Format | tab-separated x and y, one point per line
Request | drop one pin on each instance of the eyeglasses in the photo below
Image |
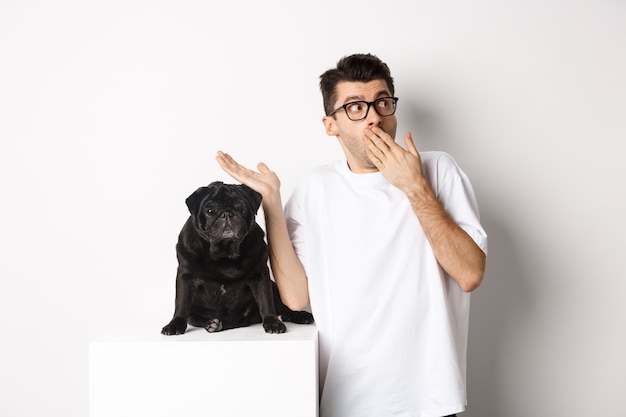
358	110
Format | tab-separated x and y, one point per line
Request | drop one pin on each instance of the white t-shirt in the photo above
392	325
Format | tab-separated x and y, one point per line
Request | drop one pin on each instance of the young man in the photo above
385	246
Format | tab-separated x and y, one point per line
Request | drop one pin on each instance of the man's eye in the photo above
383	104
355	107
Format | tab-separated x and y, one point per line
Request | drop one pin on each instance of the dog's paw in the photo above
272	324
178	325
299	317
214	325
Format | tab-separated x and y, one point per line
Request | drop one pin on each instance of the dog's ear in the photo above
254	198
195	200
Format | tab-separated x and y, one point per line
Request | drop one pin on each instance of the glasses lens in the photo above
385	106
356	110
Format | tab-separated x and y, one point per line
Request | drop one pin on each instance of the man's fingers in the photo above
373	147
410	145
224	160
263	169
232	167
379	137
374	155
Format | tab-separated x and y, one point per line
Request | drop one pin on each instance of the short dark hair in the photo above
354	68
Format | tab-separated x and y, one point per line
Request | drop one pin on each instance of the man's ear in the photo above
330	125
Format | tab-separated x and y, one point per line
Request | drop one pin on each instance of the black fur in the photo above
223	279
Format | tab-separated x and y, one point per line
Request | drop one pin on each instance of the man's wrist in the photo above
272	201
420	192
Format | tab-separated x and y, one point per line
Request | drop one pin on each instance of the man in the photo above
385	246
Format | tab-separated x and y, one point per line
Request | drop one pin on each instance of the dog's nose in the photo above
227	214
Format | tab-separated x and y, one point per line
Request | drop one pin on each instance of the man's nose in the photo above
373	118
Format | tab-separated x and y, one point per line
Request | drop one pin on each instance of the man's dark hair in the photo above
353	68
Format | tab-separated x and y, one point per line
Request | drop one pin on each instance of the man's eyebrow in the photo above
352	98
383	93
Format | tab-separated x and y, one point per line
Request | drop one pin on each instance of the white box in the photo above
237	372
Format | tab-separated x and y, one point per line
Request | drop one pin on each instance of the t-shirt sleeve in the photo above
293	216
455	192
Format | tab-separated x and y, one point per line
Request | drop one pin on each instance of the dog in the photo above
223	279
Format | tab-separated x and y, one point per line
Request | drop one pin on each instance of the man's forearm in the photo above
455	250
286	267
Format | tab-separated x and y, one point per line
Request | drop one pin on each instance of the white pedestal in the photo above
238	372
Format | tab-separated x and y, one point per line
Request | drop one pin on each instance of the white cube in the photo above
237	372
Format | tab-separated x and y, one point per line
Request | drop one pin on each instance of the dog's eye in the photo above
209	211
241	208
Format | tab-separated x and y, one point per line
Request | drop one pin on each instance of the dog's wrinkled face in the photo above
222	214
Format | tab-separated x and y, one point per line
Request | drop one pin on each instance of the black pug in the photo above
223	279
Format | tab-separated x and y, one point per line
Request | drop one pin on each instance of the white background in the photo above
111	114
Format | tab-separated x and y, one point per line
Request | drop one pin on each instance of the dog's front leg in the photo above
184	293
264	297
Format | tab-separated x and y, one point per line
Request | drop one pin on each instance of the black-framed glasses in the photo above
358	110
